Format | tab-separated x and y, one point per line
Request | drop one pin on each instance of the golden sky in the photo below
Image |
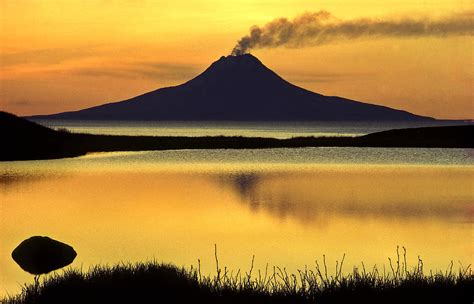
67	55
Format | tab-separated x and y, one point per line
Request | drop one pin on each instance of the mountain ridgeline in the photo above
238	88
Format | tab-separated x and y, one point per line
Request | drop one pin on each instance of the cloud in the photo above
313	29
93	61
151	70
44	56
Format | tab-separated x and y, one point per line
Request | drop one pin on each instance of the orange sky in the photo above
66	55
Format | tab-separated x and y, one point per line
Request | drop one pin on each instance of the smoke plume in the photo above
312	29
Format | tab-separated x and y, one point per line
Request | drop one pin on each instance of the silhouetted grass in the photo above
153	282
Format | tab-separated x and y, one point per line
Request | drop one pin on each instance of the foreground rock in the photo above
41	254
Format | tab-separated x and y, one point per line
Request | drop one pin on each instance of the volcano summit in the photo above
238	88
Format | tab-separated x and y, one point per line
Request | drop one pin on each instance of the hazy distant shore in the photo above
26	140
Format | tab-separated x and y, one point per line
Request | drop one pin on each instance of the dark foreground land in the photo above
25	140
161	283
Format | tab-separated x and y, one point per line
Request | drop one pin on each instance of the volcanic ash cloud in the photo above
313	29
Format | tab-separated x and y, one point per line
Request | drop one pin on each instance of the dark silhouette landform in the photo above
237	88
151	282
26	140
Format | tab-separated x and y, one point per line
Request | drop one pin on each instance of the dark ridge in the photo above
237	88
24	140
448	136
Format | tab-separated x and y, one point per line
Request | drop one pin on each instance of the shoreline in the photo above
26	140
162	282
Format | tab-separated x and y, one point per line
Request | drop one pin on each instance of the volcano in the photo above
238	88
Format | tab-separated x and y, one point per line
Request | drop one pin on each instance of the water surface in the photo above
287	207
250	129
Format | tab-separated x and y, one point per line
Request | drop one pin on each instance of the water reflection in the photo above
403	193
134	207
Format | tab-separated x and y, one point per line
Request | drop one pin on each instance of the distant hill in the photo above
21	139
238	88
25	140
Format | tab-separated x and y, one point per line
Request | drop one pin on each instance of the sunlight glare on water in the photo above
249	129
287	207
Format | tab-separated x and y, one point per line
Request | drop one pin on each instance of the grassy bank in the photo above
162	283
26	140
